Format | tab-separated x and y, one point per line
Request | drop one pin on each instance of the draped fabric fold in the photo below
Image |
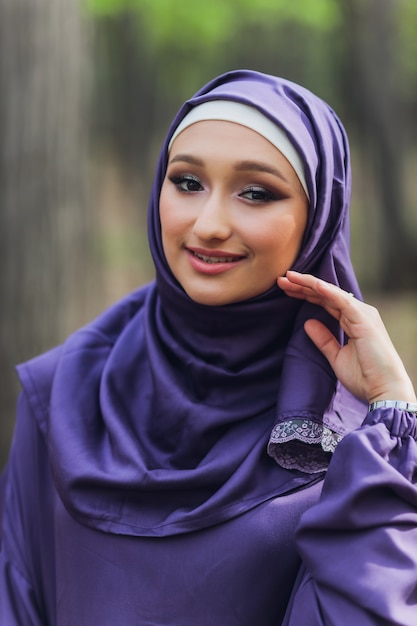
160	411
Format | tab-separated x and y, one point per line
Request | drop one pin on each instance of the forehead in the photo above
223	137
228	144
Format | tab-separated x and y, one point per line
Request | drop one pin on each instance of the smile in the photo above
212	262
217	259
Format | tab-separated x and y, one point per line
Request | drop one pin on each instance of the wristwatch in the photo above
411	407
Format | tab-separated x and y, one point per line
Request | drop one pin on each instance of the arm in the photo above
26	534
359	543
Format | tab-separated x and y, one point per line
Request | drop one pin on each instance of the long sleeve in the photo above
26	535
359	543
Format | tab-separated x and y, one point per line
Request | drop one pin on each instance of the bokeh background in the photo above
87	91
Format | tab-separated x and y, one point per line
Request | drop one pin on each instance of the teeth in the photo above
216	259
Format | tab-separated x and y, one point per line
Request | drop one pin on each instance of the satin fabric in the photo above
158	414
358	543
55	571
139	489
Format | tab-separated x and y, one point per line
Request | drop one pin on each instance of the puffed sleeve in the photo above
359	543
26	548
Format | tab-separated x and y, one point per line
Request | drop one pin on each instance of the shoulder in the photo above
36	377
91	343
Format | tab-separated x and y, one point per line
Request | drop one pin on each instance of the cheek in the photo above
168	216
165	217
164	208
279	242
278	234
176	222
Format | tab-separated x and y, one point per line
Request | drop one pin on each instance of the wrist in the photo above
399	391
401	405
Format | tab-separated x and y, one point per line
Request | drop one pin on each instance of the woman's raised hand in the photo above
368	365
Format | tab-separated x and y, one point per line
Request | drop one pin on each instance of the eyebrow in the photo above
257	166
187	158
241	166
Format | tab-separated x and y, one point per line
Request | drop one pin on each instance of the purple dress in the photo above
180	464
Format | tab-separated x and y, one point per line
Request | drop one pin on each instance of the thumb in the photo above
323	339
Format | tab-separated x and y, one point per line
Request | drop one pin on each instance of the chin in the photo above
219	299
206	298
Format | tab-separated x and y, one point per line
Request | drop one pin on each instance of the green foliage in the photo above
187	23
101	8
406	22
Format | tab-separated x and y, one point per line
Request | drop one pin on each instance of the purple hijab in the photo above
159	413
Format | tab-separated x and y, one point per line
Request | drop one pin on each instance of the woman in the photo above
169	458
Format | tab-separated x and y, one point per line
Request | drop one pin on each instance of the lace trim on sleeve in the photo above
303	444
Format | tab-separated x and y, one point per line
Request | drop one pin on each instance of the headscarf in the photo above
312	408
162	409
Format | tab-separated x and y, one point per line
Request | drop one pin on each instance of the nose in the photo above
213	220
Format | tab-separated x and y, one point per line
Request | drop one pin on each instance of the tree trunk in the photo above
45	227
372	86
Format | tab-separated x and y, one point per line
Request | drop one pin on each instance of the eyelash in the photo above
182	182
266	195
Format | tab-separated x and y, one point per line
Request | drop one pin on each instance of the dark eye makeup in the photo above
186	183
256	193
189	183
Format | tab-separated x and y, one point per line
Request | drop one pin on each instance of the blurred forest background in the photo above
87	91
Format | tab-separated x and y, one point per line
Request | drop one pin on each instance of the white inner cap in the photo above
230	111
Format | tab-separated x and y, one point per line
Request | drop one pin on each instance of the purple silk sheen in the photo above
133	454
321	141
158	413
56	571
367	516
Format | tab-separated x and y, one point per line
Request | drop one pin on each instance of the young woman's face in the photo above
233	212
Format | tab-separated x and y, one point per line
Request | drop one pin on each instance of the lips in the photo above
215	256
218	259
212	262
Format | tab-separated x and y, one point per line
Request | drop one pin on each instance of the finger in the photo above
312	285
298	286
333	299
335	296
298	280
323	339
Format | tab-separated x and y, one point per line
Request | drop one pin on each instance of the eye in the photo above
258	194
186	183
